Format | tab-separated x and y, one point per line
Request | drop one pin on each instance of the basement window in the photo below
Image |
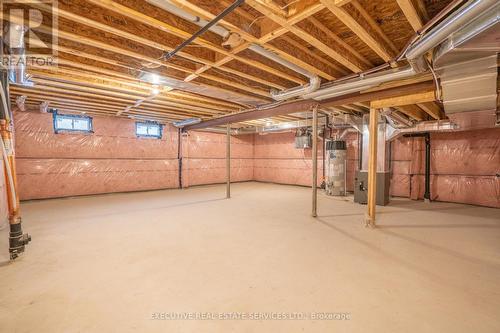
148	130
72	123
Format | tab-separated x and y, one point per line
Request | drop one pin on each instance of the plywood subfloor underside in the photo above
107	263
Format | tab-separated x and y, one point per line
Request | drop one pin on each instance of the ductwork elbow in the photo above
415	54
314	84
14	38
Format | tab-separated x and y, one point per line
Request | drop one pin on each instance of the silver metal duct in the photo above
20	102
415	53
461	17
281	127
396	119
361	83
14	38
314	80
186	122
423	127
467	65
314	84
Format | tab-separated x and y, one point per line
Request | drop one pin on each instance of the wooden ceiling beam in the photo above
357	28
341	2
166	98
374	25
306	37
421	97
412	111
316	57
309	11
112	109
138	16
138	39
411	14
340	41
432	109
98	44
379	94
121	103
284	109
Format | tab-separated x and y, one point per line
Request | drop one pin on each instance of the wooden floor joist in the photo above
105	46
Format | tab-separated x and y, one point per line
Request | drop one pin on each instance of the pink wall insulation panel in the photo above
52	178
204	158
474	190
213	145
278	161
286	171
352	142
112	138
112	159
464	167
213	171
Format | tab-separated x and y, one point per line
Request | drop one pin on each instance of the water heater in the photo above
335	171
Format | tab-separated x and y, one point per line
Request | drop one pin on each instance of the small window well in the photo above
148	130
72	123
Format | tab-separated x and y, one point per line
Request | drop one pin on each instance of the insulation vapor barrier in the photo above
204	158
465	167
278	161
112	159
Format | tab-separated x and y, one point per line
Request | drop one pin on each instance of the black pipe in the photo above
427	194
204	29
427	136
360	151
179	155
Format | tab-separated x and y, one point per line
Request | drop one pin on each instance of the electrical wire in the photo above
438	89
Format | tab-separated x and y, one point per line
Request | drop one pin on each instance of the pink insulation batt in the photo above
464	165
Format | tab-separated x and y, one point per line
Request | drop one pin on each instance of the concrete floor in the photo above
110	263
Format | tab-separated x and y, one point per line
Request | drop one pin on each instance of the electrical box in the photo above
303	140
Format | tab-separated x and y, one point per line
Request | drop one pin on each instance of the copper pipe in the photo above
12	198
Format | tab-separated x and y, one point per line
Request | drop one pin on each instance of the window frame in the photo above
149	123
57	130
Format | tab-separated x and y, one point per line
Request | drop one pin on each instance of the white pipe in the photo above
361	83
171	8
314	84
276	58
314	80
